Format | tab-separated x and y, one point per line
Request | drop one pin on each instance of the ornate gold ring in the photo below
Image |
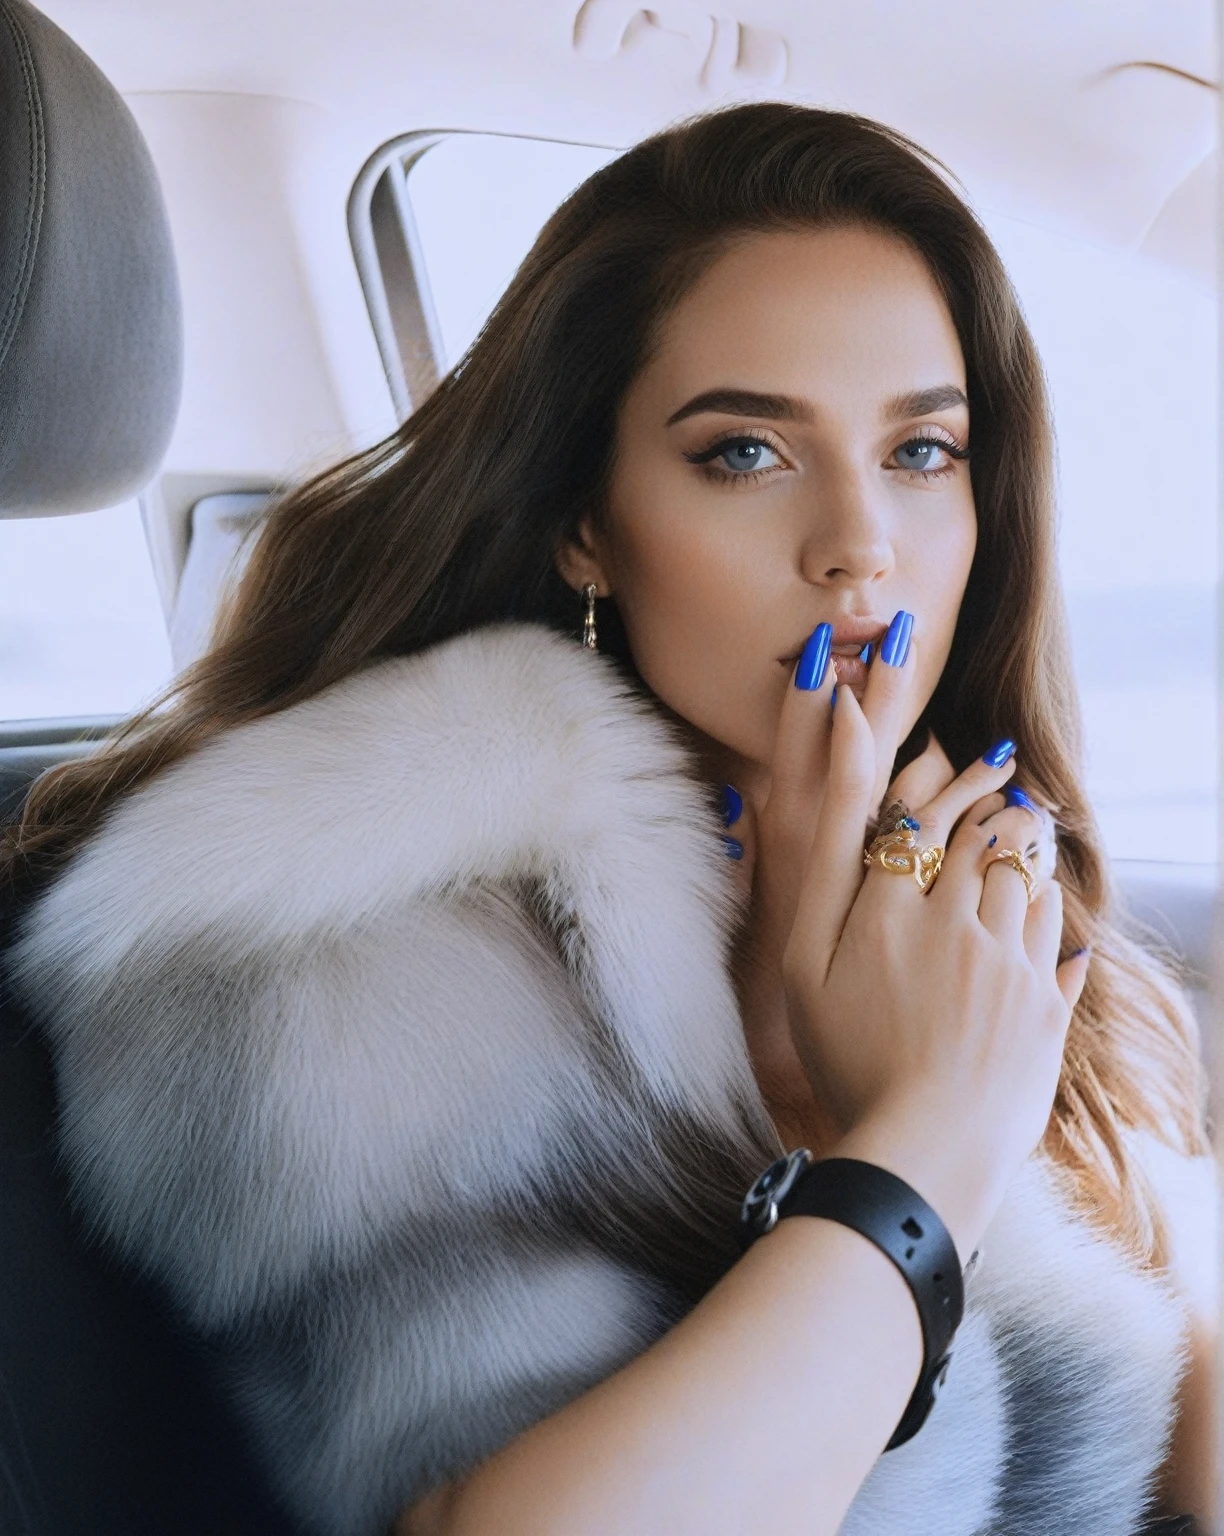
897	853
1014	859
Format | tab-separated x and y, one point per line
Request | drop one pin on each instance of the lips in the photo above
850	635
851	671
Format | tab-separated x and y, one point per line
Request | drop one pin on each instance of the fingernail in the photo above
999	753
810	672
1014	795
865	654
733	804
993	840
833	697
894	647
733	848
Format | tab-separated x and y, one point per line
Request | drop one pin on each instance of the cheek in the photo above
939	566
697	592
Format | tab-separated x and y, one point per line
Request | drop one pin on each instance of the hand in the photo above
930	1027
776	844
777	840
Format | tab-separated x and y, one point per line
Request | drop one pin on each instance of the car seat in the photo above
109	1424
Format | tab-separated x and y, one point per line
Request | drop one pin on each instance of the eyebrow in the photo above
742	402
749	402
925	402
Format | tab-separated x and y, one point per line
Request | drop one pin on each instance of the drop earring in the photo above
588	620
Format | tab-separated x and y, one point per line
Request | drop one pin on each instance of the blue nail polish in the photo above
999	753
1014	795
993	840
733	848
732	804
833	697
865	655
810	672
894	647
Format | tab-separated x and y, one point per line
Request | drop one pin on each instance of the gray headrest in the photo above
90	327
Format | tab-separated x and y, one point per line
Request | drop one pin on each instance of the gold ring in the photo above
1014	859
898	853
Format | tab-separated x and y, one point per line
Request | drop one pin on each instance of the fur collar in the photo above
394	1036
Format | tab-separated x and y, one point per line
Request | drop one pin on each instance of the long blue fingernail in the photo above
894	647
833	697
810	672
994	838
1014	795
733	848
865	655
999	753
733	804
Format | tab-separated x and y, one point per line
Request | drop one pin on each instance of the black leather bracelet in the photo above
886	1211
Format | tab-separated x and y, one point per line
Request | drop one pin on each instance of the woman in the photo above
388	967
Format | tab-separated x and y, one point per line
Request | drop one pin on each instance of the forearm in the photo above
763	1411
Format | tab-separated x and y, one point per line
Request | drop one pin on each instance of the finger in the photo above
988	824
799	765
940	815
1017	827
834	872
1071	976
920	781
1043	928
1005	898
739	838
1042	848
887	697
963	873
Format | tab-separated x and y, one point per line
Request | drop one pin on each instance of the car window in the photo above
82	629
1129	349
1128	346
479	201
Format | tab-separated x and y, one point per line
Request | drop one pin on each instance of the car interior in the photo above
240	241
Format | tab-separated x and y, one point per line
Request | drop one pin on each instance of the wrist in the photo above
963	1195
891	1214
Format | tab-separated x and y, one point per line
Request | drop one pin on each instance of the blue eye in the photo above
921	454
744	454
927	455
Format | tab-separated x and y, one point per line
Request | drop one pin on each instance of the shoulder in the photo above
492	755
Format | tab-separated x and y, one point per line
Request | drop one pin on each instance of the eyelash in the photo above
705	459
949	445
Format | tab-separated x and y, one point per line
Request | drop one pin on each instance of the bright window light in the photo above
1130	353
82	631
480	201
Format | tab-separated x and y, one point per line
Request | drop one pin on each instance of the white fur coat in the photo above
394	1037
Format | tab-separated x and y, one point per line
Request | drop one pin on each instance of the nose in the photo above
846	539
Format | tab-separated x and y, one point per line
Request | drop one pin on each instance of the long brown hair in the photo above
453	522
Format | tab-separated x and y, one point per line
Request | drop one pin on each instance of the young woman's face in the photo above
793	453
